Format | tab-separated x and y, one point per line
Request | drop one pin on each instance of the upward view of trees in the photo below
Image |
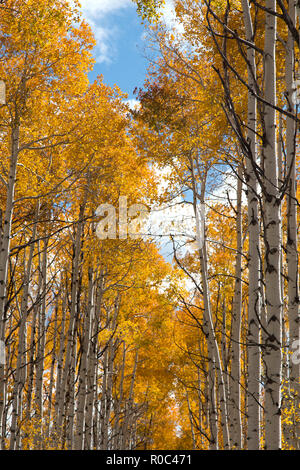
110	344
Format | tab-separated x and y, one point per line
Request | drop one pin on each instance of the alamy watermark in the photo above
178	221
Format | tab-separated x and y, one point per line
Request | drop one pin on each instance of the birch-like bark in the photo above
92	372
235	374
65	399
31	363
59	368
82	385
254	302
20	367
5	248
200	408
272	239
96	414
292	244
41	334
211	377
191	418
52	368
129	406
213	348
117	432
111	350
103	405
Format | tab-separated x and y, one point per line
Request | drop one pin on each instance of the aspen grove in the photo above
109	343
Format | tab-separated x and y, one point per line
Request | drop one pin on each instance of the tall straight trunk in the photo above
212	410
254	302
92	371
244	374
292	245
73	376
59	369
82	385
41	334
6	409
212	398
191	418
109	372
20	367
96	415
53	360
209	405
224	349
68	378
31	363
272	239
234	382
285	346
5	248
213	347
108	394
200	408
103	406
117	432
70	401
126	434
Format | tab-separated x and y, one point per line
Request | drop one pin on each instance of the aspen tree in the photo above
234	403
254	303
272	241
292	245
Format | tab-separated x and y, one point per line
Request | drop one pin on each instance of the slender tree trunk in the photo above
118	404
191	418
254	303
235	398
31	363
5	248
92	372
212	340
59	369
41	335
129	407
21	359
53	360
272	238
82	386
68	379
292	245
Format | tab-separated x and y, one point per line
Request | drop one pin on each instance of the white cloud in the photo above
172	223
169	16
168	19
105	48
226	190
102	7
133	104
96	14
168	12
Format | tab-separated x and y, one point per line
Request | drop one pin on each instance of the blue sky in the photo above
120	52
120	46
120	56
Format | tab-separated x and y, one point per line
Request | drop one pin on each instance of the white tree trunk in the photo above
292	245
234	382
254	302
272	239
5	248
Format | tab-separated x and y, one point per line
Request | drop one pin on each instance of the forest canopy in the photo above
176	331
